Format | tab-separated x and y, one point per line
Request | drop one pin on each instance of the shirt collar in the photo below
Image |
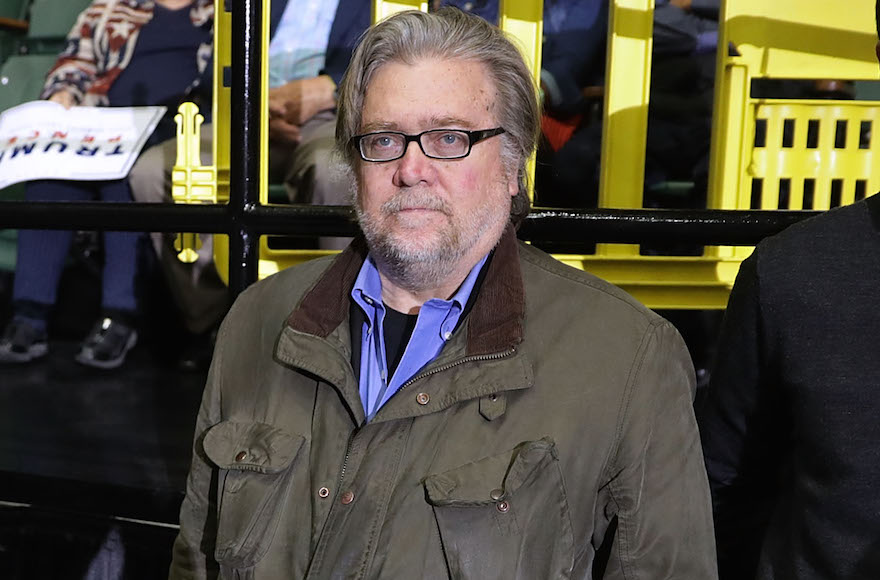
367	290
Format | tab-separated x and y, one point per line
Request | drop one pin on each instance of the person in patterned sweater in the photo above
118	53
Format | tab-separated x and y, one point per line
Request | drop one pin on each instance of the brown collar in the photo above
494	323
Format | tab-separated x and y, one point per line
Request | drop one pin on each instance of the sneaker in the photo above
22	342
107	344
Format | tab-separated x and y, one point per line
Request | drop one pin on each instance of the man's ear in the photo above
513	186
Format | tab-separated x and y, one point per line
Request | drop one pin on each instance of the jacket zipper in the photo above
461	361
447	366
345	461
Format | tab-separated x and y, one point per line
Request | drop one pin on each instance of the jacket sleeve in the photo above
677	31
193	552
658	484
742	421
75	69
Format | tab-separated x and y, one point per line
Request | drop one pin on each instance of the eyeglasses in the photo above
436	143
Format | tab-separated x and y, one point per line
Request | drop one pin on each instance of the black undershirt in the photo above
397	328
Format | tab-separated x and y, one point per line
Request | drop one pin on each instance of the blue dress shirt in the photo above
299	45
435	324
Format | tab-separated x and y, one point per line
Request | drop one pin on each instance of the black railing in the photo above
244	220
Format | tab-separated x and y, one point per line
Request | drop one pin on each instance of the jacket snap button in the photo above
323	492
241	456
423	398
496	494
503	507
347	497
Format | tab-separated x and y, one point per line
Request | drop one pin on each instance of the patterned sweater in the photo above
101	43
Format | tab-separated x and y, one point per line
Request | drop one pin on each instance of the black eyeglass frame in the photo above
474	137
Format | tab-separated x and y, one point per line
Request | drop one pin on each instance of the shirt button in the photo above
423	398
241	456
496	494
468	6
447	335
368	300
503	507
323	493
347	497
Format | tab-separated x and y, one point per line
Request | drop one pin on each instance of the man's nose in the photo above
414	167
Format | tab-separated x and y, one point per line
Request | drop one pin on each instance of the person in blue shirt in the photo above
310	45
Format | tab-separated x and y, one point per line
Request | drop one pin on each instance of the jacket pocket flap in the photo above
491	479
251	447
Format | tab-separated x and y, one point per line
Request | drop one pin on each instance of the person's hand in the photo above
63	98
683	4
281	131
300	100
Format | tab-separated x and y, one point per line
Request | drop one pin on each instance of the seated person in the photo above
680	112
152	53
310	46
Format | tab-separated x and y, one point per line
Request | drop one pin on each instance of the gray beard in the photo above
413	269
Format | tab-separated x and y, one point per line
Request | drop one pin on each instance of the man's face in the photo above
427	218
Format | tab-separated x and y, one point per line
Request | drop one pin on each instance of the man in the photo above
310	46
790	422
440	400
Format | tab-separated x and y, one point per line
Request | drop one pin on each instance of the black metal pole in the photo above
244	158
626	226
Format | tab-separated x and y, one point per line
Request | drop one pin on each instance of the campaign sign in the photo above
43	140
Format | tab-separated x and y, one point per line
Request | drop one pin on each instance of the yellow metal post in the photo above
523	21
625	122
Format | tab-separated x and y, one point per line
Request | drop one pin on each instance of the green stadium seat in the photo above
54	18
8	237
13	25
21	79
14	9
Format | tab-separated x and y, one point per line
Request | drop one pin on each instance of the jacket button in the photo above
496	494
503	507
241	456
323	492
347	497
423	398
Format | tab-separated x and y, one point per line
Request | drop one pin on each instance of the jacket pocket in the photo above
505	516
256	464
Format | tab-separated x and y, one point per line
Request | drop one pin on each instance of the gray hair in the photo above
410	36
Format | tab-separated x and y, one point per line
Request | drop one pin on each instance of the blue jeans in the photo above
42	253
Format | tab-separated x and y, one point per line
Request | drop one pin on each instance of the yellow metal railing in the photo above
778	39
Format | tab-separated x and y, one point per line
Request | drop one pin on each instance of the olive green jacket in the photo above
559	405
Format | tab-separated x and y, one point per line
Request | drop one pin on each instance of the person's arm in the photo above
300	100
706	8
572	51
679	29
658	482
742	424
74	71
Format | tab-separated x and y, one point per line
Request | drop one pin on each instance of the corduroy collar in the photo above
495	323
